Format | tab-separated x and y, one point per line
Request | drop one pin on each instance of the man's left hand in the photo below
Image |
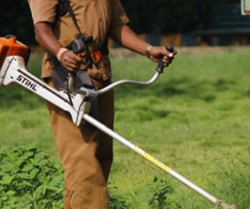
156	54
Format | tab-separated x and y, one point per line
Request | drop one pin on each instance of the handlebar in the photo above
160	66
93	93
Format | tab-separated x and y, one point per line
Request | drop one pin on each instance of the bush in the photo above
29	179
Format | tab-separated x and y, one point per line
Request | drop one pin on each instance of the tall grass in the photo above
234	181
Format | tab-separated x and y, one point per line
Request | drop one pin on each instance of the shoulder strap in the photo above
63	8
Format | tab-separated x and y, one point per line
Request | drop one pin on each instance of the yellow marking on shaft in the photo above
152	159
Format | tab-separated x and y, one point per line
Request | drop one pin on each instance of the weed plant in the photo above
29	180
234	181
232	184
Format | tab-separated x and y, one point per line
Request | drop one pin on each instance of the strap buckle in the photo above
96	56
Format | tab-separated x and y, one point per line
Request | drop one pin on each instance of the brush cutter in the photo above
13	59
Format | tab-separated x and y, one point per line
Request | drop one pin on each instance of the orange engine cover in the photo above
12	47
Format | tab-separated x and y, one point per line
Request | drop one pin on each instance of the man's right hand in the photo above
70	61
47	40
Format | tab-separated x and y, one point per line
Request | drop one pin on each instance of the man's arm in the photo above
128	39
48	41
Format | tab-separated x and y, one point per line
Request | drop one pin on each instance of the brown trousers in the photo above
86	154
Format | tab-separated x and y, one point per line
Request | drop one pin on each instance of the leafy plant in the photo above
160	194
32	180
116	200
29	179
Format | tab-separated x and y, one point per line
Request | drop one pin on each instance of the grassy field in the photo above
195	119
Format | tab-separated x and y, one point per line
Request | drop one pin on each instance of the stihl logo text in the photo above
27	82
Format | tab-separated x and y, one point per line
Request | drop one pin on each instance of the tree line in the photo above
158	16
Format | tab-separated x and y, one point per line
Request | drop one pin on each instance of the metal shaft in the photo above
148	157
93	93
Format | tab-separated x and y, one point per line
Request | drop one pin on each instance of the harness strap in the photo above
64	6
62	9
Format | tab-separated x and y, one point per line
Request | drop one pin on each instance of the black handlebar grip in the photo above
160	66
169	47
78	46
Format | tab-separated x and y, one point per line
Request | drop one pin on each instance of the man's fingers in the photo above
68	66
169	57
71	61
156	54
169	54
166	58
73	65
74	57
167	62
71	57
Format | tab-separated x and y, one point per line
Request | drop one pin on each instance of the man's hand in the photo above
70	61
127	38
156	53
48	41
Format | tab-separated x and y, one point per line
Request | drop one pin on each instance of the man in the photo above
86	154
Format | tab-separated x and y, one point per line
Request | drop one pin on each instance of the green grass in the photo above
194	118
